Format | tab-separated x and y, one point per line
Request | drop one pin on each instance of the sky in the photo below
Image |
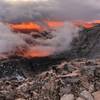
26	10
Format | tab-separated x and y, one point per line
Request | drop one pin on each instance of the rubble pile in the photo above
75	79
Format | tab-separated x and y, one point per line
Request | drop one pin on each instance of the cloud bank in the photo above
49	9
32	10
11	42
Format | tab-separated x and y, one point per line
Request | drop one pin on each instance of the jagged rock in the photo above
86	95
87	44
67	97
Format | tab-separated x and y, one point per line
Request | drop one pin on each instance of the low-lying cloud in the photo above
11	42
20	11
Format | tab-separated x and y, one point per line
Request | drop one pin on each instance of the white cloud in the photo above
11	42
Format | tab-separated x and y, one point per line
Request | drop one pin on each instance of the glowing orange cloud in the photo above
54	24
27	27
86	24
96	21
36	53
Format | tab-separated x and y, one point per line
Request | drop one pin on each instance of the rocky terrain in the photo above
78	79
73	75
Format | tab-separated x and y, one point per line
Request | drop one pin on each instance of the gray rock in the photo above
79	98
67	97
86	95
